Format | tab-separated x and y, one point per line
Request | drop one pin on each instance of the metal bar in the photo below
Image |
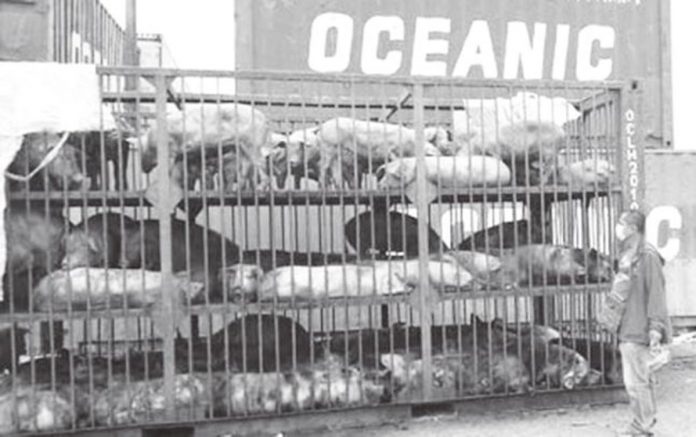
164	209
424	281
294	76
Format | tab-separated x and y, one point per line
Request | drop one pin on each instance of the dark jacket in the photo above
646	307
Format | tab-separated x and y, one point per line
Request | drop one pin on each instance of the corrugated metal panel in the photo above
75	31
84	32
577	40
670	180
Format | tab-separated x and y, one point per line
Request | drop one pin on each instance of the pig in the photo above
233	168
252	344
377	278
366	345
503	236
538	264
116	149
441	138
527	147
241	282
562	367
150	248
142	401
37	410
326	384
455	173
63	172
232	126
354	147
549	363
237	172
587	174
393	232
96	241
35	240
601	356
481	265
458	374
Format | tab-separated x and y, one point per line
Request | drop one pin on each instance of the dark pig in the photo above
34	240
393	231
466	374
602	356
503	235
539	264
201	242
252	344
549	363
96	241
371	343
63	172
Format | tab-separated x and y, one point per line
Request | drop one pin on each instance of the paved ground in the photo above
676	398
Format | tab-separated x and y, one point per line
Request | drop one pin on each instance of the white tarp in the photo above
36	97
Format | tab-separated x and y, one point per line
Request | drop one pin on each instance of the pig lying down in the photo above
379	278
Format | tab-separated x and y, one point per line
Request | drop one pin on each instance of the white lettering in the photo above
560	52
519	50
424	46
477	50
604	36
654	220
632	159
370	63
318	59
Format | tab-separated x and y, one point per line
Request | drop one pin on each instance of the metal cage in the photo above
329	242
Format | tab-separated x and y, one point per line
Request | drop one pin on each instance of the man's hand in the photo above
655	338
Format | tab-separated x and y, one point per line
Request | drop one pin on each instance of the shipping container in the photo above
671	206
72	31
536	39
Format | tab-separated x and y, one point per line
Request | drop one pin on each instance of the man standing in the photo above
644	325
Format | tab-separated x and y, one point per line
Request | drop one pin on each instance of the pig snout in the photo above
80	182
578	372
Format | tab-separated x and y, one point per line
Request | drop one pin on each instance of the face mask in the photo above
621	232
